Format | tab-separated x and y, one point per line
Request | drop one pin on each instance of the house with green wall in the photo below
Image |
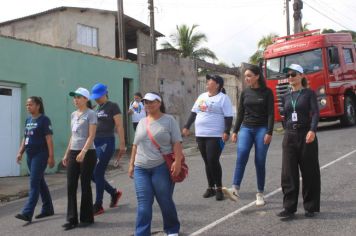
33	69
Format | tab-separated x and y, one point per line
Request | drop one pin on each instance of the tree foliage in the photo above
262	44
188	42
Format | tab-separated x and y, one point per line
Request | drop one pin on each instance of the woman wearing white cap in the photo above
80	160
148	167
300	146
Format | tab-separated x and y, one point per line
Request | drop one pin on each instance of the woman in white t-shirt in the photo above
212	113
137	110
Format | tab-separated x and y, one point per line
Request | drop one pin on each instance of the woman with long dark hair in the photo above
80	160
212	113
38	144
254	126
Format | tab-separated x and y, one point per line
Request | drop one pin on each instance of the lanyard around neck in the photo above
294	102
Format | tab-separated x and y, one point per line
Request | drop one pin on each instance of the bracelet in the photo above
84	150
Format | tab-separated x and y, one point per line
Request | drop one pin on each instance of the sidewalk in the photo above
13	188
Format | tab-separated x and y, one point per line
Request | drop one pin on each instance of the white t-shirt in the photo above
138	111
210	114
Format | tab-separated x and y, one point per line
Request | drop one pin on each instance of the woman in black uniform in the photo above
300	146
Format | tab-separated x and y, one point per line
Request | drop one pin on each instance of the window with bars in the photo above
87	36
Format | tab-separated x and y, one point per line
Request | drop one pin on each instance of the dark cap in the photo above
218	79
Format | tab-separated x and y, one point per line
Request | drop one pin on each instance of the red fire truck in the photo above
329	66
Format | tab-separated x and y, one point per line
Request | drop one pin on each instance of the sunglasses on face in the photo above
293	74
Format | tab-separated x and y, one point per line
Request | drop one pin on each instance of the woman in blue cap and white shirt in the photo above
212	113
109	119
80	160
149	170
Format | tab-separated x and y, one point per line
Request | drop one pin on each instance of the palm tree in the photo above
187	42
262	44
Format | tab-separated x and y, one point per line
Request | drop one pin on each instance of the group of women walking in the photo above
92	144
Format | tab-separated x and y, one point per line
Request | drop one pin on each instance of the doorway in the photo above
126	104
10	103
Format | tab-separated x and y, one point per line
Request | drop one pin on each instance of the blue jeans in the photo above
37	164
150	183
246	138
105	148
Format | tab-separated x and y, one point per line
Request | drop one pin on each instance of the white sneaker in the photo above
231	193
172	234
260	201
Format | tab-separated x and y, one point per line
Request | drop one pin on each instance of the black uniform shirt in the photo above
255	109
306	107
106	123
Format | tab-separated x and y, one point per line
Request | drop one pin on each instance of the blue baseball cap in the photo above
98	91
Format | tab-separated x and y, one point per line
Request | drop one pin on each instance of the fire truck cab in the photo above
329	66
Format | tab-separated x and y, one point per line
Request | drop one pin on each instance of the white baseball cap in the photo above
80	92
294	67
151	97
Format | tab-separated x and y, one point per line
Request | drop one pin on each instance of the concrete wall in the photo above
143	48
176	79
52	73
60	29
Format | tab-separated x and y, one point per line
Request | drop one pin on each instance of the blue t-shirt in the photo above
36	130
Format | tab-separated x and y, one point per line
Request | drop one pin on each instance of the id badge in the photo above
294	116
75	127
26	140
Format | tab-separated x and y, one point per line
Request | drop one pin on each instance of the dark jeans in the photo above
149	184
299	155
210	149
85	171
105	148
37	164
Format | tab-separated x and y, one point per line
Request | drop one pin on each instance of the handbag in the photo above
169	158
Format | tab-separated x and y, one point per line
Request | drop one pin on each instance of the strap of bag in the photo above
151	136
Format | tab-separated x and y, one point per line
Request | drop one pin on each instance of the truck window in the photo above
348	56
333	58
273	67
311	61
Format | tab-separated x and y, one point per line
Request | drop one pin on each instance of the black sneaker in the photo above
219	195
98	210
23	217
69	226
44	214
115	199
210	192
285	214
309	214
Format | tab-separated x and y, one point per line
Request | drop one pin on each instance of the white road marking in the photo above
232	214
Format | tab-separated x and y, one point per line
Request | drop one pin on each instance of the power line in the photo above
326	16
322	4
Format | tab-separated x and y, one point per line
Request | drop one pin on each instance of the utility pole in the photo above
152	31
297	7
121	29
287	15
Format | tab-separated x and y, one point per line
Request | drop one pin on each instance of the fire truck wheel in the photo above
349	116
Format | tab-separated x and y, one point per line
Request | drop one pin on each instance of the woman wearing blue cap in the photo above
109	119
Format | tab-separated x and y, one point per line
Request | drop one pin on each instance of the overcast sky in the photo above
233	27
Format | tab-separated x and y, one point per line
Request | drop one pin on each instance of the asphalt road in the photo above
198	216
